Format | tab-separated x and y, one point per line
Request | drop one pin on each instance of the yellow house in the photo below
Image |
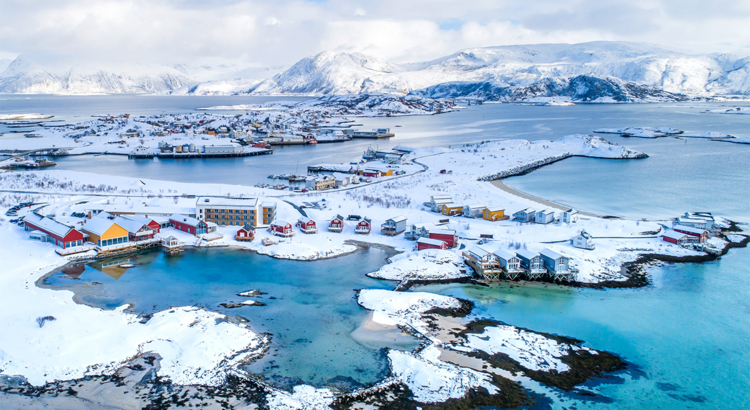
494	214
388	173
451	209
104	232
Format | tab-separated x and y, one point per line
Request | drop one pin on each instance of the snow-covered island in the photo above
447	217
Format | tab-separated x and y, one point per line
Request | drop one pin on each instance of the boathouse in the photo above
474	211
49	230
532	263
427	243
393	226
246	233
483	262
525	215
570	216
583	240
494	213
544	216
307	225
510	263
189	225
701	234
104	232
336	224
364	226
446	235
281	228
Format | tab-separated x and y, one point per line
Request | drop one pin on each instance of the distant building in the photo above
473	211
583	240
557	265
446	235
281	228
679	238
189	225
363	227
246	233
700	234
307	225
494	213
544	217
532	263
451	209
483	262
393	226
525	215
570	216
235	211
320	183
510	263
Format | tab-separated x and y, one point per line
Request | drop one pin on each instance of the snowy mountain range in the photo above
596	71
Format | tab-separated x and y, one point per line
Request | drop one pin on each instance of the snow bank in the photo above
422	265
403	308
531	350
434	381
13	117
302	398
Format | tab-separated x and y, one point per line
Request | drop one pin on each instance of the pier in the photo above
183	155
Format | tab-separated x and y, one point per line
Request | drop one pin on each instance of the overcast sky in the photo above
283	31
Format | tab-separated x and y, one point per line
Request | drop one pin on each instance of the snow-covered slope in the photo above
24	76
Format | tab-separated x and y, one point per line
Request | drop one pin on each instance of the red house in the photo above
701	234
280	228
246	233
448	236
62	235
371	173
337	224
427	243
363	227
187	224
307	225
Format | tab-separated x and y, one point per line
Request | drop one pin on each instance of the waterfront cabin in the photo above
104	232
363	227
49	230
570	216
427	243
307	225
138	230
494	213
510	263
679	238
320	183
525	215
583	240
446	235
532	263
701	234
393	226
281	228
246	233
451	209
336	224
188	224
557	265
483	262
544	217
474	211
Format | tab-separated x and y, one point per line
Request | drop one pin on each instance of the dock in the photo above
184	155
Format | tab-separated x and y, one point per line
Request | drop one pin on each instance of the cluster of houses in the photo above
693	228
445	205
501	264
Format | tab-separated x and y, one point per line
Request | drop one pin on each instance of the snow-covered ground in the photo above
659	132
421	265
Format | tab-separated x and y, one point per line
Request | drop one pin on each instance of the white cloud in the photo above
252	31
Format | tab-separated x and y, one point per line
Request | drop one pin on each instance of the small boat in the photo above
126	265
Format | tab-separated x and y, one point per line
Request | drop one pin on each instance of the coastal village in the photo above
443	212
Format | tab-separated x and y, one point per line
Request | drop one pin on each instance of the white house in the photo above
474	211
570	216
583	240
544	217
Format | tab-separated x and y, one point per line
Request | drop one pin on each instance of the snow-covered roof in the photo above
674	235
479	252
689	229
184	219
527	254
304	219
442	231
550	254
436	197
130	225
137	218
526	211
453	205
429	241
502	254
397	219
248	227
546	212
97	225
475	206
280	223
495	208
571	211
233	202
50	225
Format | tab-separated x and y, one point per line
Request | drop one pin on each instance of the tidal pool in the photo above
310	307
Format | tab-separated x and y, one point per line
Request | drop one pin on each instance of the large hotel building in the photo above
235	211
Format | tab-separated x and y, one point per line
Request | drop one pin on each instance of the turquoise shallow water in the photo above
310	306
686	335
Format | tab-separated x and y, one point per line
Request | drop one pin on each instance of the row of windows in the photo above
72	244
230	223
238	217
113	241
228	211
